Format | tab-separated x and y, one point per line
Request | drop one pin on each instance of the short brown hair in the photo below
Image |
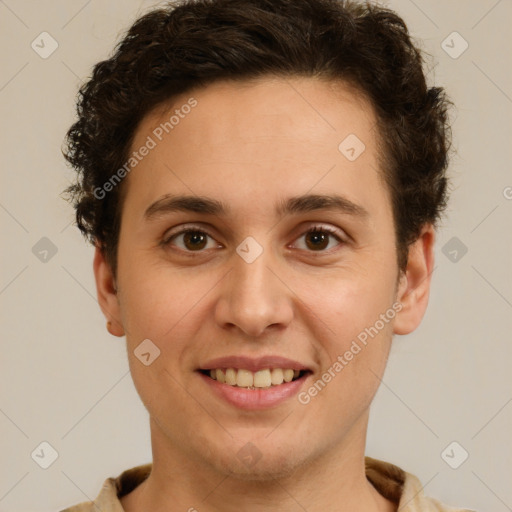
193	43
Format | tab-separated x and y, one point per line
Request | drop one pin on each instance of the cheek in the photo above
155	300
353	353
354	347
349	304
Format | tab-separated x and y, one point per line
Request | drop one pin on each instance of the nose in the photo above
254	298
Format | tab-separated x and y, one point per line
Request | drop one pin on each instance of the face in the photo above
254	249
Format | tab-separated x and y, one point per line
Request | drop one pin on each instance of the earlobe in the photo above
414	287
107	293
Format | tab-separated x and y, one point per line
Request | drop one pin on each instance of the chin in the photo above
251	464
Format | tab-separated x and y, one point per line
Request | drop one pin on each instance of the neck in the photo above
335	480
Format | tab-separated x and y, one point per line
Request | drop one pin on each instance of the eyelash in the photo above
193	229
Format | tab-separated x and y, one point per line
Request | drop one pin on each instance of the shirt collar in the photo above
396	485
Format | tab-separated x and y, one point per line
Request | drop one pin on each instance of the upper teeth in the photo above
260	379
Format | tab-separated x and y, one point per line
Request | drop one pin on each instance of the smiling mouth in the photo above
261	379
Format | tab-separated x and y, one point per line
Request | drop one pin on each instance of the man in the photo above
261	180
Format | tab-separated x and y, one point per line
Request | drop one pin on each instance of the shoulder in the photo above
403	488
112	489
414	499
105	501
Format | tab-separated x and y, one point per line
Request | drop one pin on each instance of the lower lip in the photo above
255	399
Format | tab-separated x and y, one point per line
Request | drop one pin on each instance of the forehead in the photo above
247	140
298	109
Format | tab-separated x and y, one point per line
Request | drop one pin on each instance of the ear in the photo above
107	293
414	287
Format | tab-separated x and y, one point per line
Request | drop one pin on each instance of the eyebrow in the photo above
293	205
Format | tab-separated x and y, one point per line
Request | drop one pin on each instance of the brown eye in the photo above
318	239
194	240
190	240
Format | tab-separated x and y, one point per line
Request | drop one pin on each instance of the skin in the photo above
251	146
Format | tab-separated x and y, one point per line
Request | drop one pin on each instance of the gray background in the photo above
65	380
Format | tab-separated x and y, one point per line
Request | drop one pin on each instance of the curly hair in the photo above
192	43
